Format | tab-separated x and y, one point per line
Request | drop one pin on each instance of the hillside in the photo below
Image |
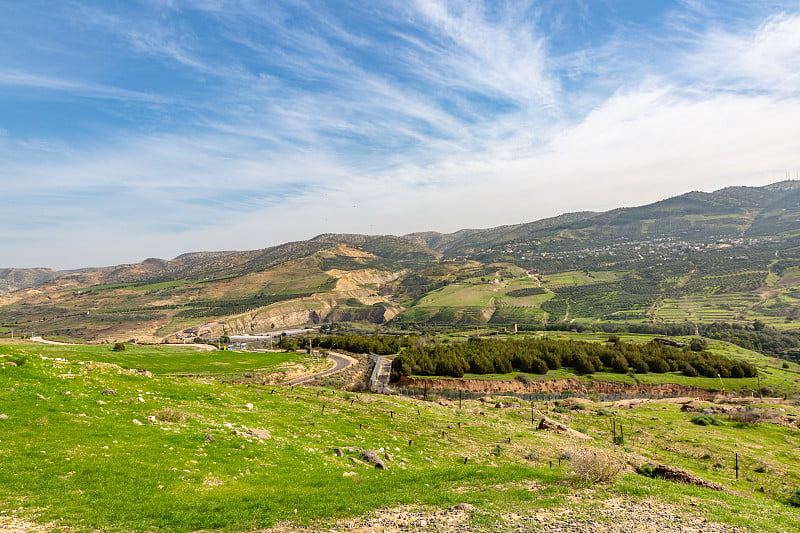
90	446
732	255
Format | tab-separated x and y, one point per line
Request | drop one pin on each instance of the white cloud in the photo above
458	119
766	60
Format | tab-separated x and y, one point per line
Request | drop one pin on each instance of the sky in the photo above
149	128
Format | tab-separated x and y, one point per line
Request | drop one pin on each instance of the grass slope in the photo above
73	457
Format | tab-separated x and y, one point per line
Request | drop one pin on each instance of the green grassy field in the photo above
73	457
162	359
563	279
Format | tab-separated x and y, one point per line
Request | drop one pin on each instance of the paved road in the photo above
379	381
342	362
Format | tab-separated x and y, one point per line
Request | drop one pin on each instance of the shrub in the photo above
761	469
168	414
794	499
705	420
524	379
647	469
749	417
118	347
595	465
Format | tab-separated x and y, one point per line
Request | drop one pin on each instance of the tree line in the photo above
379	344
538	356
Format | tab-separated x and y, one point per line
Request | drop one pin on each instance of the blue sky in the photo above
132	129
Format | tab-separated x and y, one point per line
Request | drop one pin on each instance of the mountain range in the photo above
732	255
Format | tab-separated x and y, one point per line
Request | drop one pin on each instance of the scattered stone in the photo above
11	363
209	437
140	399
136	422
259	433
338	452
144	372
40	397
349	474
514	405
388	457
227	425
100	402
552	425
66	393
444	403
106	392
10	389
463	507
372	457
3	416
499	405
358	462
248	406
151	419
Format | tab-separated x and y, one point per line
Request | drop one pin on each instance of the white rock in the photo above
151	418
248	406
3	416
136	422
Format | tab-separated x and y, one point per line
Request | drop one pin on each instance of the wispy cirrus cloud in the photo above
77	88
237	124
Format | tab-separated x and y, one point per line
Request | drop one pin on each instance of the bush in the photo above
595	465
169	414
647	469
524	379
705	420
794	499
749	417
118	347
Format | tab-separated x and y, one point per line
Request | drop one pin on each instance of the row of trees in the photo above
379	344
538	356
755	336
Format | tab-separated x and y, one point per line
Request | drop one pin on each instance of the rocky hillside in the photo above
731	255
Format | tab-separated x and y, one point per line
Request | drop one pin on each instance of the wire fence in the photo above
450	394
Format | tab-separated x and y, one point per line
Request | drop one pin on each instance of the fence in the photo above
449	394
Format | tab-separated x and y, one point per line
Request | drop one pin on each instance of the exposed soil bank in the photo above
556	386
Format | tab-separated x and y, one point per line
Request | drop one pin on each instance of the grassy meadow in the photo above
201	458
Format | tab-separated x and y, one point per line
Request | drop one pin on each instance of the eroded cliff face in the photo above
555	386
313	310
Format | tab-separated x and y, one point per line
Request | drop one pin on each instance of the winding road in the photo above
342	362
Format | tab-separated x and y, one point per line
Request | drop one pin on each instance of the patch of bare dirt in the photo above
555	386
612	516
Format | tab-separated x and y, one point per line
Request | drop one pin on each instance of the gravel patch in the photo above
610	516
